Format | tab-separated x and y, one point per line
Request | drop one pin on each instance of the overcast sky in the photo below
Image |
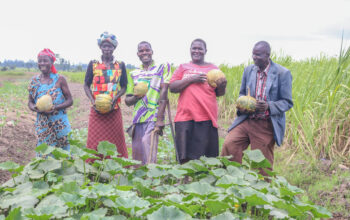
300	28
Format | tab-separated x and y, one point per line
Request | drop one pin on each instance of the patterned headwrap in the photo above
105	36
49	53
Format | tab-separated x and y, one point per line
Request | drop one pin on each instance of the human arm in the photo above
66	93
221	87
179	85
88	82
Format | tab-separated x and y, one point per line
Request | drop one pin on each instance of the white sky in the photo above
300	28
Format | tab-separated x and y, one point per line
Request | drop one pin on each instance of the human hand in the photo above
221	83
261	106
159	127
199	78
45	112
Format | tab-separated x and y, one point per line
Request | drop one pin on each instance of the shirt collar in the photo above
149	68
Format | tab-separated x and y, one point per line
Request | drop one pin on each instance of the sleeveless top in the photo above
53	128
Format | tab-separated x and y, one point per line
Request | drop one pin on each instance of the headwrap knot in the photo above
49	53
105	36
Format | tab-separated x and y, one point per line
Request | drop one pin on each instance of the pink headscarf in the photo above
49	53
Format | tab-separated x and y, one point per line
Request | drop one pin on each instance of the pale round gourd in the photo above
103	103
44	103
141	89
213	76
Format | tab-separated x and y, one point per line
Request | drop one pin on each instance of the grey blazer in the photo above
278	93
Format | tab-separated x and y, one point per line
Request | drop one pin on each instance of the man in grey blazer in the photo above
271	85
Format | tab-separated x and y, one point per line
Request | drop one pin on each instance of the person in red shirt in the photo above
197	110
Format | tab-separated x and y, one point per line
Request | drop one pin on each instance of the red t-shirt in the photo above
198	100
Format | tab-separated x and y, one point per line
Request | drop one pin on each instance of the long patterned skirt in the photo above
106	127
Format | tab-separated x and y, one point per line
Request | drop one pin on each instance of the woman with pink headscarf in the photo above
51	127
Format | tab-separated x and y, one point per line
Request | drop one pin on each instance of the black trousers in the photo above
196	139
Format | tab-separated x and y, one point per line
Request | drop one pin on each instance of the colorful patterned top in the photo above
53	128
106	79
146	109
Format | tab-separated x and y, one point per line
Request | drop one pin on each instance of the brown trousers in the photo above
257	133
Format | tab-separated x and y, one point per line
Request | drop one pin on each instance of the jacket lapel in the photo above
271	75
252	80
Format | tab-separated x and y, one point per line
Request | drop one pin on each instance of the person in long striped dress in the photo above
148	115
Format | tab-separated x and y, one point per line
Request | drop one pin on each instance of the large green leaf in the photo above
177	173
15	214
218	172
69	187
9	165
126	162
235	171
257	158
279	214
226	216
227	180
106	148
133	202
82	154
72	200
95	215
59	153
211	161
216	207
168	213
321	212
44	149
199	188
49	164
24	201
114	217
103	189
40	188
79	164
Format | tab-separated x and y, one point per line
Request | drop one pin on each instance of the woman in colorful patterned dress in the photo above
106	76
197	109
51	127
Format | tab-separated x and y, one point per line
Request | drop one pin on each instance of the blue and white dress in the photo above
53	128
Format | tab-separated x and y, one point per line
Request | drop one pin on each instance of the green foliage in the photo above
67	187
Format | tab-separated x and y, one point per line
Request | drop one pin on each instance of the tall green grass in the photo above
319	122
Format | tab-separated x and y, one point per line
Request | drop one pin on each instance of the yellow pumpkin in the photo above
213	76
141	89
103	103
44	103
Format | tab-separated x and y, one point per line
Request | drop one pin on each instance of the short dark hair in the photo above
265	45
144	42
200	40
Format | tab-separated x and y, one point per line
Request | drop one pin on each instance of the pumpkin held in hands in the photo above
44	103
213	76
246	103
103	103
140	89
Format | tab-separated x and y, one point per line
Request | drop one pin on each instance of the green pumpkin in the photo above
246	103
